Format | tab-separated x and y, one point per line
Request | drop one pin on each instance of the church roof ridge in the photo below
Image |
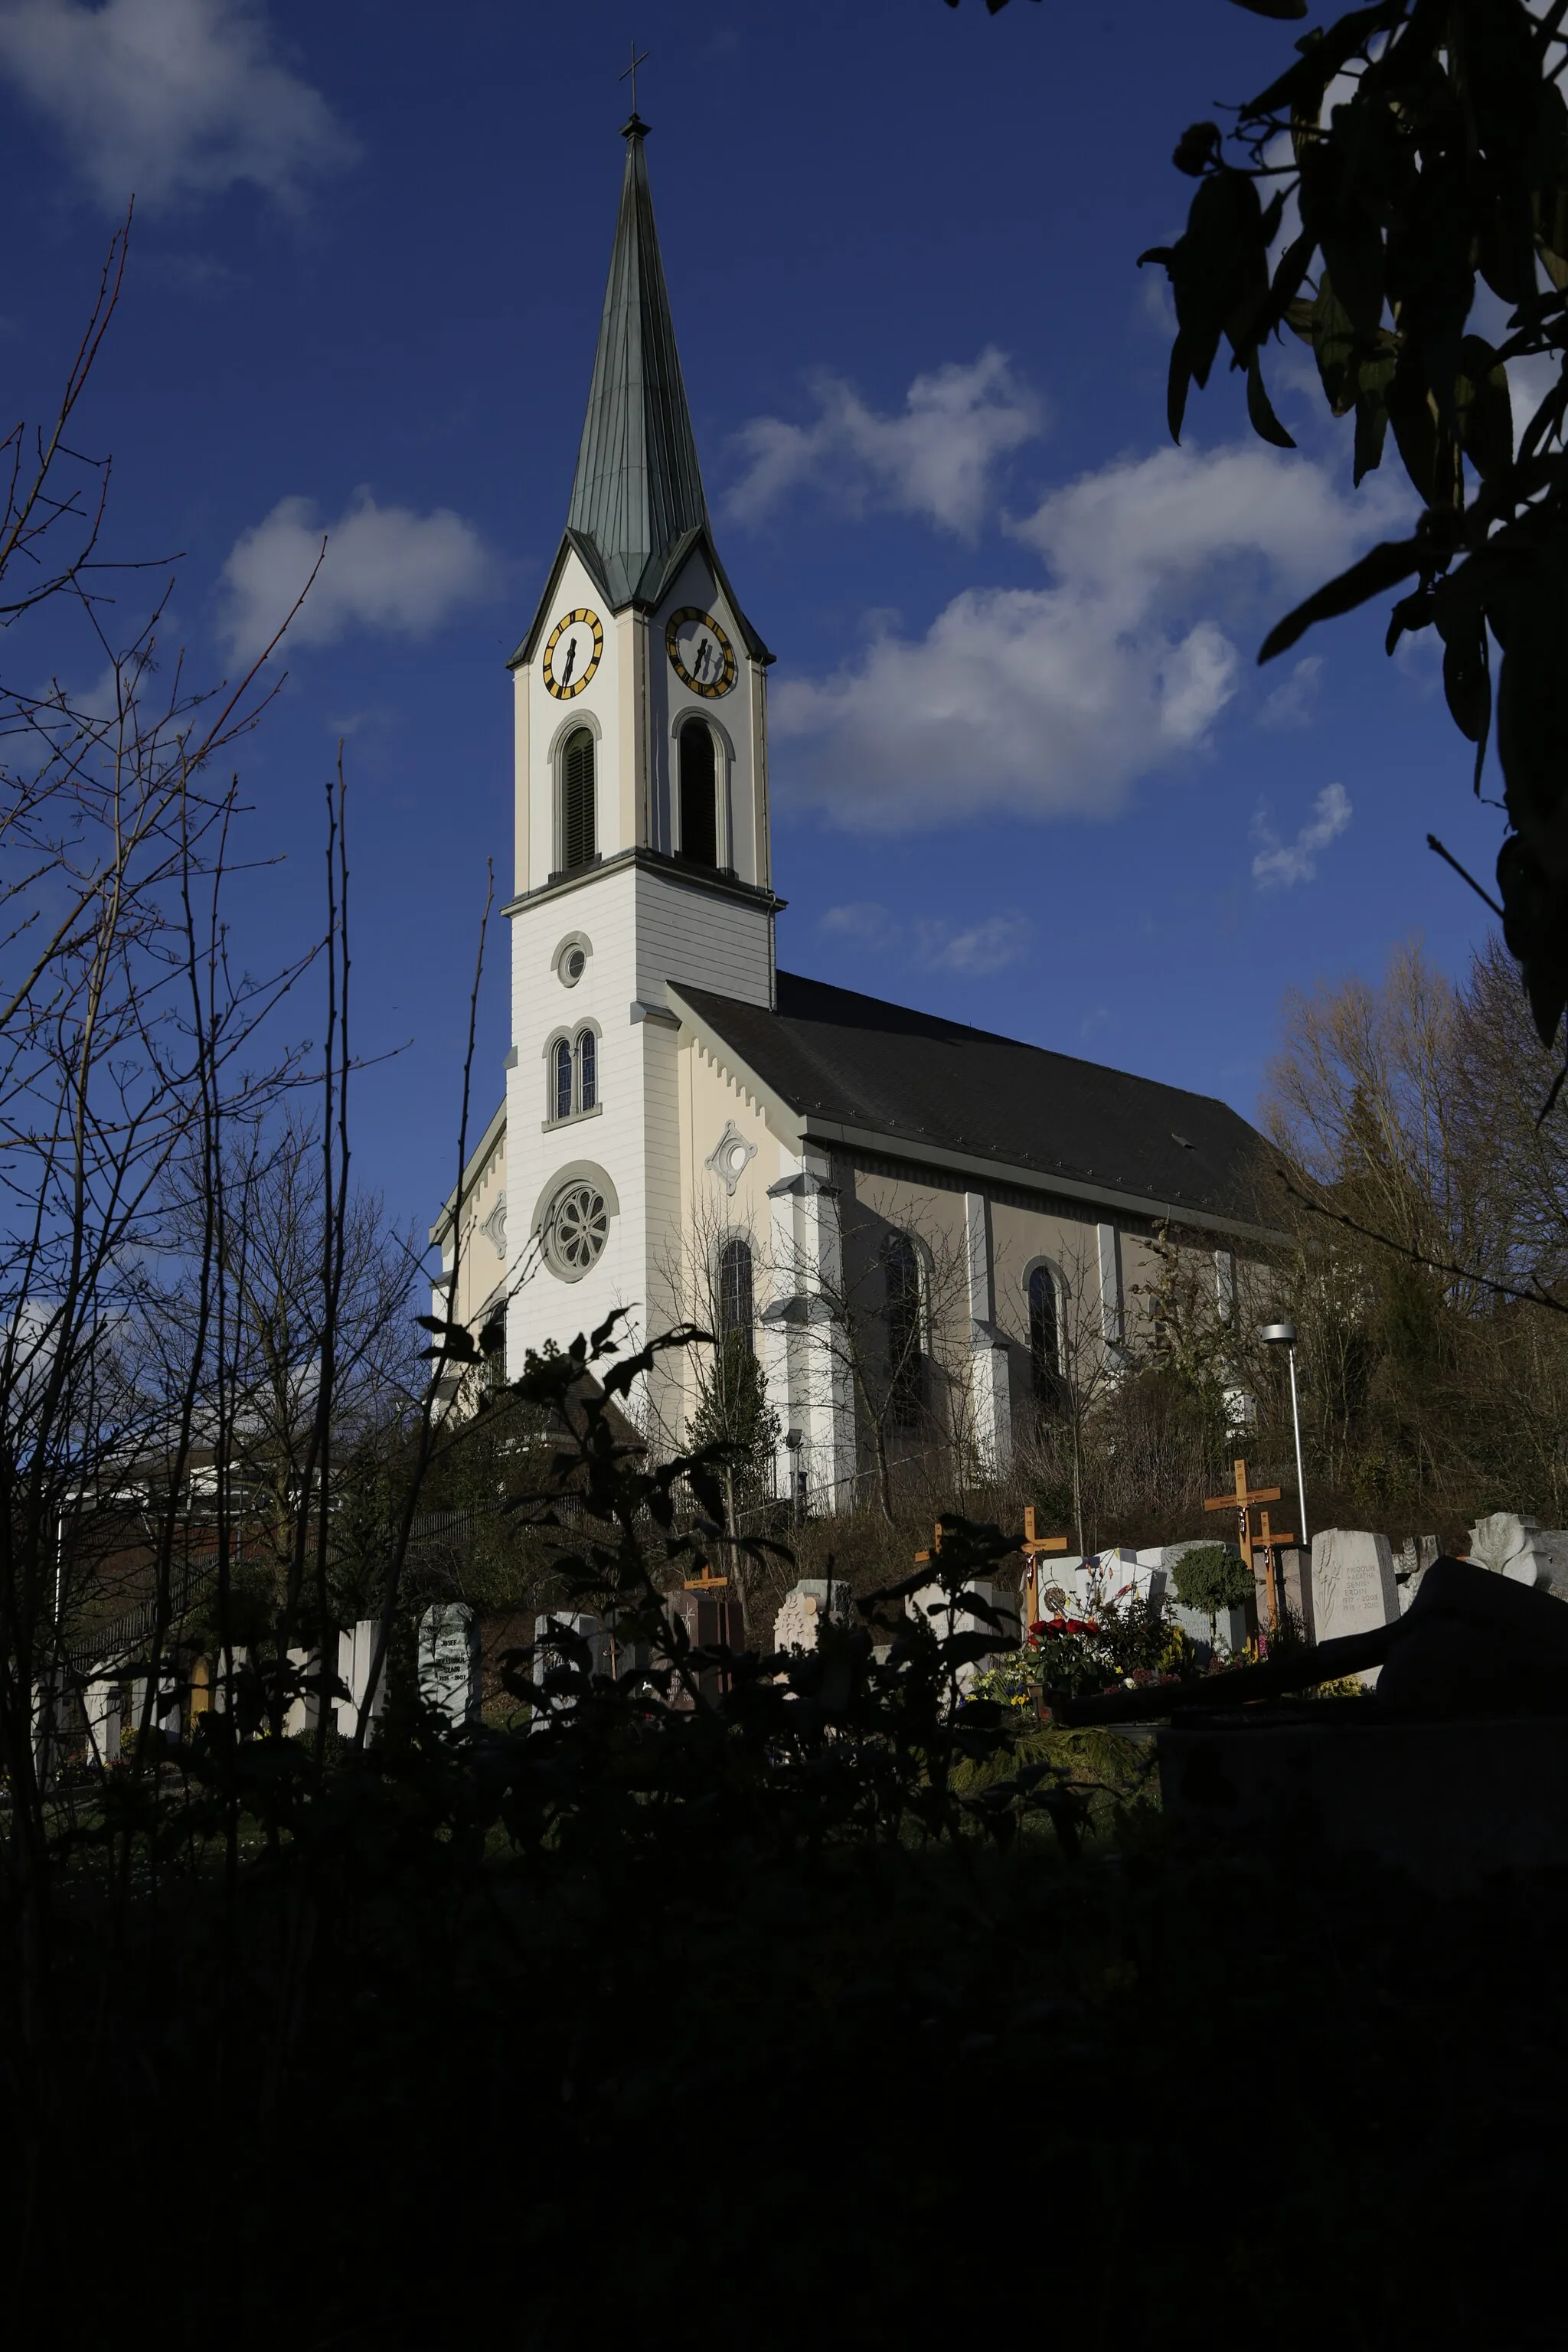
846	1061
638	487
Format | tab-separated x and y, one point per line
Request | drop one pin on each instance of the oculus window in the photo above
577	1227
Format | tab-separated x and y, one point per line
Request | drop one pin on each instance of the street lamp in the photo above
1283	1335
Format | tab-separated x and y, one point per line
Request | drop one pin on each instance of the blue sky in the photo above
1024	770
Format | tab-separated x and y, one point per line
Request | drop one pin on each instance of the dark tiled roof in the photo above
930	1084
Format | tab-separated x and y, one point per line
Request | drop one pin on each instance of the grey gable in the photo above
924	1084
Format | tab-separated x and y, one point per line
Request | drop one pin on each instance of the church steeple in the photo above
637	490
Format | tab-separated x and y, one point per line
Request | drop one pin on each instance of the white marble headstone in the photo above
799	1625
1514	1547
449	1660
1353	1588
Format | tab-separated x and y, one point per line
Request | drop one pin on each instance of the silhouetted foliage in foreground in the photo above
712	2002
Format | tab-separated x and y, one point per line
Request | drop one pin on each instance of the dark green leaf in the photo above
1373	379
1467	680
1535	928
1304	84
1333	342
1414	418
1387	564
1259	409
1485	410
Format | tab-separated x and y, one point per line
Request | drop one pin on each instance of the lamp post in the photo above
1283	1335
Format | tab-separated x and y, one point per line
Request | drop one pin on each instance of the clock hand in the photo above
571	657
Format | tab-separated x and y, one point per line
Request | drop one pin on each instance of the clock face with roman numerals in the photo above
700	652
572	656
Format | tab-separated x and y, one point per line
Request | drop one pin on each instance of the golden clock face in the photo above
700	652
572	656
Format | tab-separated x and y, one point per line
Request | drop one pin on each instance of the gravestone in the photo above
449	1660
356	1655
100	1702
1516	1548
1118	1576
712	1622
1058	1584
1293	1568
931	1605
1232	1627
799	1625
549	1655
1353	1590
1417	1554
303	1712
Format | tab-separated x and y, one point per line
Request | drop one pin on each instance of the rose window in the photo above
577	1228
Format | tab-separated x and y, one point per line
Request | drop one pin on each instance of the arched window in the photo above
1045	1338
735	1291
905	1380
561	1092
699	795
587	1070
577	835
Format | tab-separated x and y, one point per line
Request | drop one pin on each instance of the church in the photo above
915	1226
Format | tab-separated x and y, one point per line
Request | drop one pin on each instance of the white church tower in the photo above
641	829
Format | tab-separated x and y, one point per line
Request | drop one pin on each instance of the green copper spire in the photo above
637	488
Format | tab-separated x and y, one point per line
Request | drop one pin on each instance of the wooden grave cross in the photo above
1241	1503
1269	1540
924	1558
1032	1547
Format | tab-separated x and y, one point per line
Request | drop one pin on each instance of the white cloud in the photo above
937	458
1051	701
1281	864
935	941
862	919
165	98
1290	705
385	568
987	946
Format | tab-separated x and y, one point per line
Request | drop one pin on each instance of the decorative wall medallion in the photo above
494	1227
700	652
731	1157
577	1227
571	656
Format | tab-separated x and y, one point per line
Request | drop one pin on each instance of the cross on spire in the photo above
631	73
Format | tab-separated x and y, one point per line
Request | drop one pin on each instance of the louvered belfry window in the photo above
699	795
577	841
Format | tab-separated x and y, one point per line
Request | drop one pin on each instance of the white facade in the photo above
595	949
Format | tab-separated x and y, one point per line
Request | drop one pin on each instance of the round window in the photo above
577	1227
576	965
